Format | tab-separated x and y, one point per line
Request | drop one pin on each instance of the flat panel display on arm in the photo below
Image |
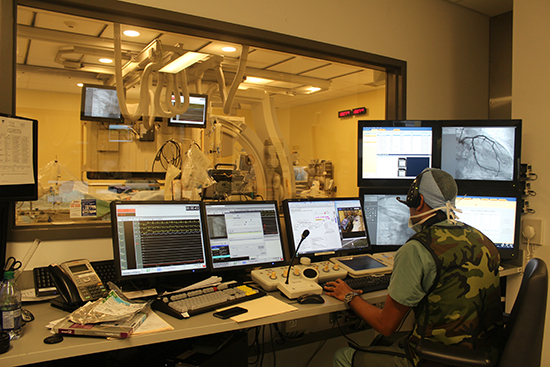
100	103
392	152
336	226
243	235
153	239
195	116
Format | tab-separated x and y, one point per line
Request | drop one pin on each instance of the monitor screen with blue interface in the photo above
397	152
334	225
157	238
495	216
244	234
387	220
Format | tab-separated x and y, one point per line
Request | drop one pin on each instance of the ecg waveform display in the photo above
170	242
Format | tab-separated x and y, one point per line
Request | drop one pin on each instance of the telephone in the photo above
77	282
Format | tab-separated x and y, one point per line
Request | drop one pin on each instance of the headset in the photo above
413	196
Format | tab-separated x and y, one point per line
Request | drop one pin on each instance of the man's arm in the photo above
385	320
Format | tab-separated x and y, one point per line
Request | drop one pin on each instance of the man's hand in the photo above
338	289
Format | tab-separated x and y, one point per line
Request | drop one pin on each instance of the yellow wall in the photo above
316	132
59	127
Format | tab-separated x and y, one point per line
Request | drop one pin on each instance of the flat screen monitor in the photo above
335	225
195	116
153	239
387	219
100	103
393	152
497	216
244	234
482	153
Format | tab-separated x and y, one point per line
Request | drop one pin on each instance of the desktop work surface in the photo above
30	348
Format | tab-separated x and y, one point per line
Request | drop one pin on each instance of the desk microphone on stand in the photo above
304	236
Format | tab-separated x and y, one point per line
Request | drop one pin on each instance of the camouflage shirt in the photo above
463	305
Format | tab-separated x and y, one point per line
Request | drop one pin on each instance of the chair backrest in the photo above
525	327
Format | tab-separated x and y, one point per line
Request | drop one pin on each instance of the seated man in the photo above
447	273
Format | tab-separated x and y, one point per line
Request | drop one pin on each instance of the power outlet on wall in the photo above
531	229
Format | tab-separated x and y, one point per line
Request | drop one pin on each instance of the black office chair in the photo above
524	329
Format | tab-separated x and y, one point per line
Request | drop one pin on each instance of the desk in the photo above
30	348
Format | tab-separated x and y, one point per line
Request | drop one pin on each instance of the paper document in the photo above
261	307
16	151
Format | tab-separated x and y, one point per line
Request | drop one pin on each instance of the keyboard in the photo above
186	304
369	283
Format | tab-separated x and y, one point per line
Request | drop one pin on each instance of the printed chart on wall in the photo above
16	151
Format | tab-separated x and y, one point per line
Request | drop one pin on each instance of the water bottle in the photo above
10	306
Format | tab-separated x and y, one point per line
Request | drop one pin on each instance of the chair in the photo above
523	331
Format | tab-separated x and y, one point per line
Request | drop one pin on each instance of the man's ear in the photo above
422	203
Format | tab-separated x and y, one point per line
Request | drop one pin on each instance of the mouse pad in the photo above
262	307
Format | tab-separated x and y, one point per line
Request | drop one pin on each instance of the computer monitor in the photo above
335	225
387	219
244	234
195	116
482	153
152	239
393	152
100	103
497	216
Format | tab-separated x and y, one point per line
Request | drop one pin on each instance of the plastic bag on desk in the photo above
194	173
114	307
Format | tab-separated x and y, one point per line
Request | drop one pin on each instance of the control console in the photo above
320	272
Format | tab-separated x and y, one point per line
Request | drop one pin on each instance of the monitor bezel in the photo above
245	267
116	254
172	122
324	256
465	184
389	182
85	117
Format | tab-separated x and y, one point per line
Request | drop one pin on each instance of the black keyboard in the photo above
43	284
186	304
369	283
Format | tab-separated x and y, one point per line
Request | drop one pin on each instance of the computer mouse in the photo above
310	298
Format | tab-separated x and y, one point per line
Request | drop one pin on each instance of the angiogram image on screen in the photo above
478	153
387	220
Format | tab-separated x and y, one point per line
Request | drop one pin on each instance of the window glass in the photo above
260	123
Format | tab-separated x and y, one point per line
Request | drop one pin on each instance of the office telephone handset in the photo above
77	281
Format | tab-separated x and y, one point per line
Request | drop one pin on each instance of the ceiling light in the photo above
106	61
254	80
229	49
313	89
131	33
80	84
183	62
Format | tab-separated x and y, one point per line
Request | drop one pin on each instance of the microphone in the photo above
305	233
